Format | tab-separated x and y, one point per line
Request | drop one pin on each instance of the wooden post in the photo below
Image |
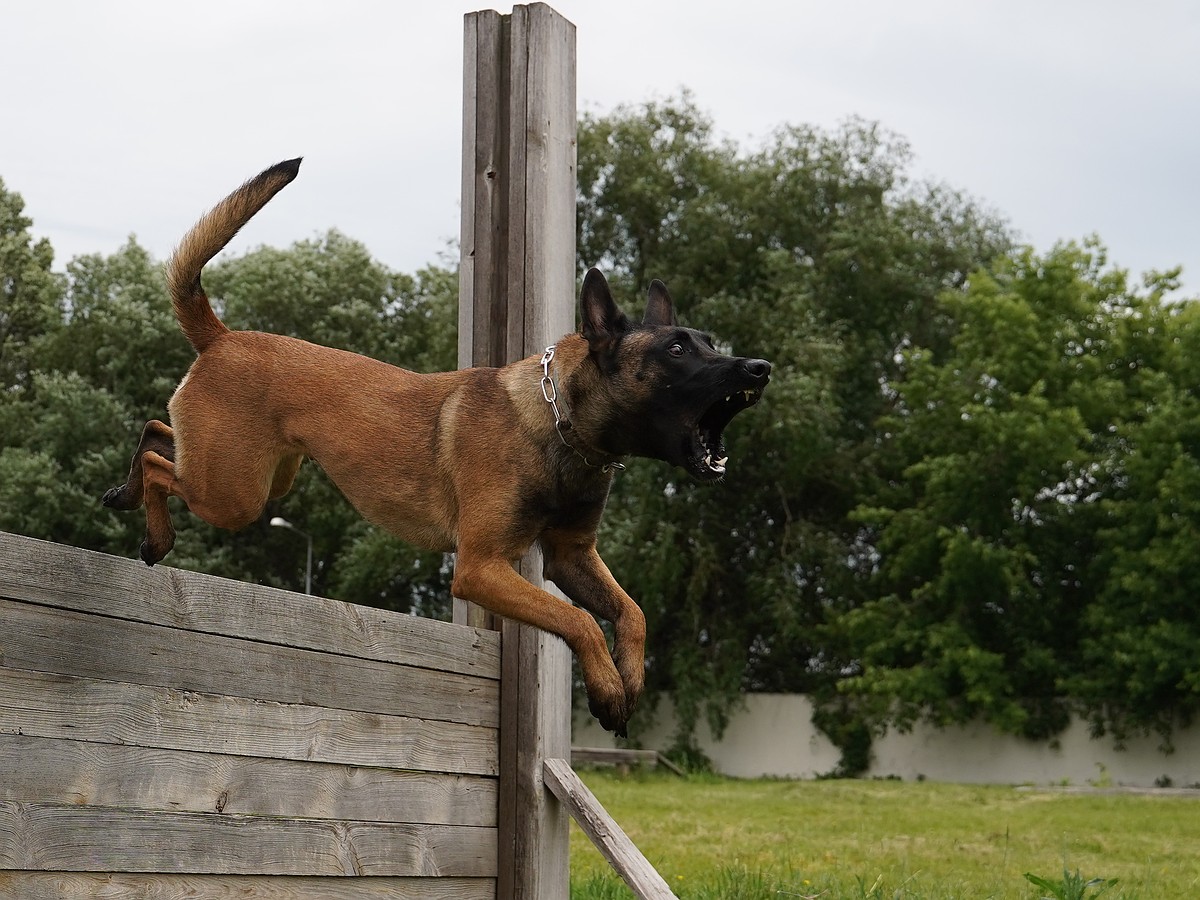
517	296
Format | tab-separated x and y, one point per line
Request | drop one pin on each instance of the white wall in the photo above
773	735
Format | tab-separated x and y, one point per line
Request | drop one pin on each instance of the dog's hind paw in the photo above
112	497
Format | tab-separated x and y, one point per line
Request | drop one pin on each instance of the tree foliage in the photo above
1015	582
969	491
817	252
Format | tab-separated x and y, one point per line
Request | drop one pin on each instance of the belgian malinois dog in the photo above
484	461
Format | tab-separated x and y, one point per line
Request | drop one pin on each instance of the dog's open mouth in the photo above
708	458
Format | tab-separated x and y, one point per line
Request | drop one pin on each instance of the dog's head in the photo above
671	392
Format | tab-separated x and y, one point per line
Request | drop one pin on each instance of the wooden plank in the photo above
485	184
70	578
54	837
509	333
129	886
482	237
63	641
77	772
608	756
549	180
609	838
540	275
620	756
64	706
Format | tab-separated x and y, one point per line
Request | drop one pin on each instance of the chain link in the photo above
561	424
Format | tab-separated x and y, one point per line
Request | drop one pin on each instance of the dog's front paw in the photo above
612	716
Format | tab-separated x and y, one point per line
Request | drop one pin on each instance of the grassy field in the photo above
718	839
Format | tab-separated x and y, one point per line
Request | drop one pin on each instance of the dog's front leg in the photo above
572	563
491	582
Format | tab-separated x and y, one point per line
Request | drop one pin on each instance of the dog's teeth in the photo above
721	462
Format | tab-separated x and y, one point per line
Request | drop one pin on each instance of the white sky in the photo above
134	116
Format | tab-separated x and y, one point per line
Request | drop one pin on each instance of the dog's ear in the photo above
660	310
600	319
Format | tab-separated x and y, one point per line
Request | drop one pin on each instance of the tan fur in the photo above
467	460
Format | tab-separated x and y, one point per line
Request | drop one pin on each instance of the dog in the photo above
485	462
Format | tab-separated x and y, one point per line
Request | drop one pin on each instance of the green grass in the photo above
721	839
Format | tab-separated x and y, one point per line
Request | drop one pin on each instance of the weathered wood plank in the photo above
609	838
621	756
549	178
81	773
131	886
537	265
64	706
52	837
483	236
47	639
70	578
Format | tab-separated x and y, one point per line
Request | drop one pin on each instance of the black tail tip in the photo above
289	168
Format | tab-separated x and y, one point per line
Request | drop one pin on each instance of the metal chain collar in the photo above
561	423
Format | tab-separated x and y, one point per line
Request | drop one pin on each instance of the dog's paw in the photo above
147	554
114	498
611	716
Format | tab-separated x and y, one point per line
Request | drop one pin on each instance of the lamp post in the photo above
280	522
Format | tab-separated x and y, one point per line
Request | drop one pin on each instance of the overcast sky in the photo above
134	116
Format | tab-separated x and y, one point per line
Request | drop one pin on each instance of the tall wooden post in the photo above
517	287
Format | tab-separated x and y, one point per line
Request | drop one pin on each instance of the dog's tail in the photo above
206	239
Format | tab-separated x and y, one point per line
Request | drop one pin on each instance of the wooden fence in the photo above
168	734
165	733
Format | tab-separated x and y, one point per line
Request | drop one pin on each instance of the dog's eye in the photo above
676	349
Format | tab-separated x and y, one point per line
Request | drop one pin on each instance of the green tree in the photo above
30	294
1000	473
1138	671
816	252
118	332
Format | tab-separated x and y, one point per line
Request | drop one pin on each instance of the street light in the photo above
280	522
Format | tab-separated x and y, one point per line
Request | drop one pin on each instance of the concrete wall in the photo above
773	735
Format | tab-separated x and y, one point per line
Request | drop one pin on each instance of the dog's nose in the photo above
757	368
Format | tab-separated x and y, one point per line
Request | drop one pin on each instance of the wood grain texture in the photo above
44	770
522	249
63	706
73	643
67	577
129	886
609	838
55	837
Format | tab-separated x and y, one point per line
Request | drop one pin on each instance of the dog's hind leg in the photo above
157	437
158	476
570	560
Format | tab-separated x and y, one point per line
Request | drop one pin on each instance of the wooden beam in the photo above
72	838
99	647
49	770
133	886
53	575
63	706
609	838
517	296
620	756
